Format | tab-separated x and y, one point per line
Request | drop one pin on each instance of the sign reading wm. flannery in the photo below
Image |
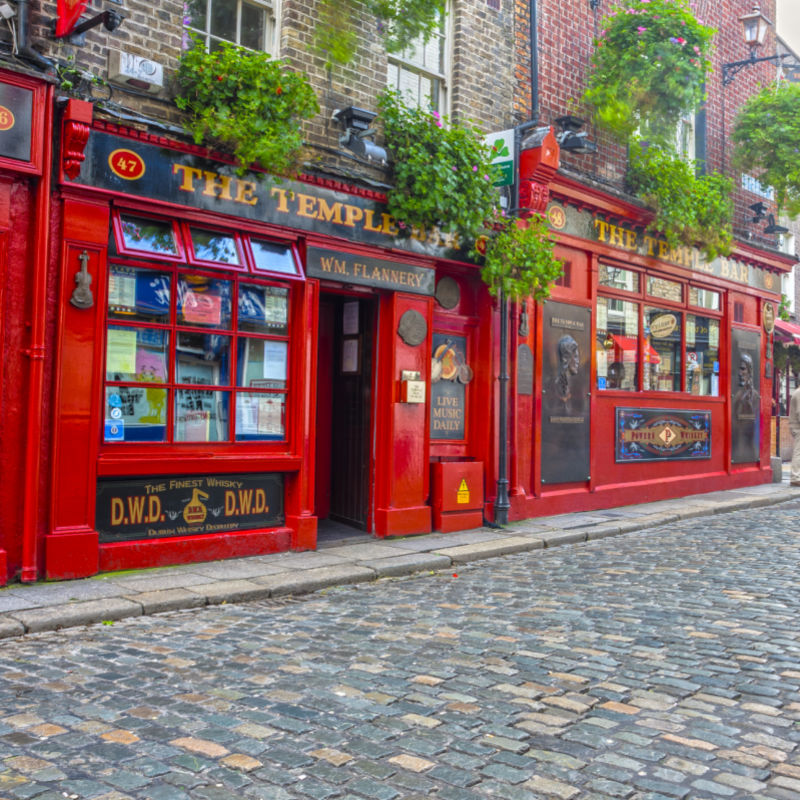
349	268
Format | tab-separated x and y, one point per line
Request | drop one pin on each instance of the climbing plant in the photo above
766	138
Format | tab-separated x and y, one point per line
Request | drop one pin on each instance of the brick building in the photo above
200	364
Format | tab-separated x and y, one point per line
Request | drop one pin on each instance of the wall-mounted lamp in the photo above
571	138
772	227
760	211
109	19
754	29
358	133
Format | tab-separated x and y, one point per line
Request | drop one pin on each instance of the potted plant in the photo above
245	103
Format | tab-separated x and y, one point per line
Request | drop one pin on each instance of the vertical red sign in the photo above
69	12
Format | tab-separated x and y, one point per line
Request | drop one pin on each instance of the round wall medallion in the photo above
412	328
448	293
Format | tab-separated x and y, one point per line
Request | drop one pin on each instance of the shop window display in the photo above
185	347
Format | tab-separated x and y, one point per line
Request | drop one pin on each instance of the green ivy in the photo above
246	103
399	23
766	138
648	68
689	209
440	171
519	260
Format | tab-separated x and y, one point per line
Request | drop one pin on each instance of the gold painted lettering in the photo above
245	193
188	175
282	195
330	213
601	226
369	225
352	214
306	206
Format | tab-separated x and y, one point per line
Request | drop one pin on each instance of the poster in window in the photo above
121	352
276	309
450	375
202	308
122	290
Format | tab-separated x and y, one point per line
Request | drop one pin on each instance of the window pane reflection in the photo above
702	355
617	347
662	360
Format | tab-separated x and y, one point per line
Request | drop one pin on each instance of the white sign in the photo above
502	145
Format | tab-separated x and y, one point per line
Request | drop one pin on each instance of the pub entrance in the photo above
344	411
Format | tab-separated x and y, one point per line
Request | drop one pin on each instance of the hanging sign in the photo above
69	12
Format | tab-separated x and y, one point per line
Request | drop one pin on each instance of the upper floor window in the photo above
248	23
419	73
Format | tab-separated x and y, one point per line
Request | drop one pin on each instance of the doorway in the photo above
344	410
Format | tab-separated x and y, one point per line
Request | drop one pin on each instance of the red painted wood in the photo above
457	486
401	440
188	549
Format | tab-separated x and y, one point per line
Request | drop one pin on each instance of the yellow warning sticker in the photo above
462	496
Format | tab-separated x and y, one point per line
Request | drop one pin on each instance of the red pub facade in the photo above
200	365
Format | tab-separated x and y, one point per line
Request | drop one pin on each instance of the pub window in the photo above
618	344
660	345
662	361
197	355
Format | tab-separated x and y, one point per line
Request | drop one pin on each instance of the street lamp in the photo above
754	26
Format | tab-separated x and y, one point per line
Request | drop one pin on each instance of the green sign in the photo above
502	145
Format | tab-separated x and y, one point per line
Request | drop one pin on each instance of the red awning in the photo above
787	332
628	343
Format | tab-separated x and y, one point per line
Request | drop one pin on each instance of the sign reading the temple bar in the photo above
16	116
155	508
149	170
635	240
654	434
336	265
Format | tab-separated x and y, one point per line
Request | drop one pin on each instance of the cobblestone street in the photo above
660	664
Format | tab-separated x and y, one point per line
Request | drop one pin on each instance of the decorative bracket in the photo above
77	124
82	296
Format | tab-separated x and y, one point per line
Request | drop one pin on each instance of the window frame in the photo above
272	8
398	62
235	332
683	308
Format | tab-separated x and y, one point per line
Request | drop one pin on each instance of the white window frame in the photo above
271	42
398	61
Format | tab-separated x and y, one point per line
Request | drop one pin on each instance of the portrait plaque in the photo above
448	293
565	420
524	370
745	396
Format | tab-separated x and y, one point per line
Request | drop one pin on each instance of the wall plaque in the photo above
449	376
565	419
745	396
155	508
524	370
412	328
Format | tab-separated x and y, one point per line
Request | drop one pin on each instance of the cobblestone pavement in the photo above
660	664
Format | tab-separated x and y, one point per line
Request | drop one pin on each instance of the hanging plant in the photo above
245	103
519	260
689	209
648	68
766	138
399	23
440	171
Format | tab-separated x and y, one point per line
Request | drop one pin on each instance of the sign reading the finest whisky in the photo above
155	508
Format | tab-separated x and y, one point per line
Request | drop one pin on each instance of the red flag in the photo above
69	12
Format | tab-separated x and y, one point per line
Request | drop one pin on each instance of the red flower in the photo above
279	90
220	78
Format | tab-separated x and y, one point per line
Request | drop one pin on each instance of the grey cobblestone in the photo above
652	665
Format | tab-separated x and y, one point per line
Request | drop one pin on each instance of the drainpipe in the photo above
24	49
36	352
